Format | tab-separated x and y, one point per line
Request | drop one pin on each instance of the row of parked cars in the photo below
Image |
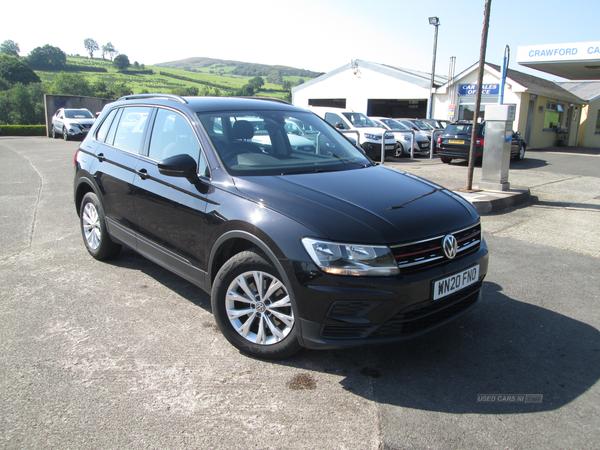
449	140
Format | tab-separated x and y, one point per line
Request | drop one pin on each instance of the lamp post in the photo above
435	21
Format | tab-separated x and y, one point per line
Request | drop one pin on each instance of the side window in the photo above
131	127
172	135
103	130
334	119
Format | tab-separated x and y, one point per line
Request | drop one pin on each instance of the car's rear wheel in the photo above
521	155
53	133
253	307
93	229
65	134
446	160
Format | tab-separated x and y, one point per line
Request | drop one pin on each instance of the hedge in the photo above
22	130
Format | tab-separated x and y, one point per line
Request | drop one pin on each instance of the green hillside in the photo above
224	67
211	79
22	94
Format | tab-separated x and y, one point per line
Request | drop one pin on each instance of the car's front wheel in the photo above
253	307
65	134
93	229
521	155
400	152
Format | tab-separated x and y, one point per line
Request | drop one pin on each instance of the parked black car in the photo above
319	249
455	142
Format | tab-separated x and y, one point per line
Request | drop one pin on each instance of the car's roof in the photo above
210	104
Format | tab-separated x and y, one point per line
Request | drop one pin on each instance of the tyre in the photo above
253	307
65	134
446	160
400	152
521	155
53	133
93	229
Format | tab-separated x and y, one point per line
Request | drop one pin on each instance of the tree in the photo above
15	70
257	82
47	57
10	48
247	90
23	105
110	49
274	77
287	85
71	84
121	89
121	62
91	46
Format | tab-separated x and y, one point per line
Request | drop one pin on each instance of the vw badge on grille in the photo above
450	246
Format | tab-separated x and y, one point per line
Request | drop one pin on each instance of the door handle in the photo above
101	157
143	174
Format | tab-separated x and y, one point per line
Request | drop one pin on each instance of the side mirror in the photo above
183	166
340	126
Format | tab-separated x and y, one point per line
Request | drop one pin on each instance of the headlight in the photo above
373	137
352	259
407	138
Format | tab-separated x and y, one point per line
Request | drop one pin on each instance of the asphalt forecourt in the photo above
123	354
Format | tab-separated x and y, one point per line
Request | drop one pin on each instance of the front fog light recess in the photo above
352	259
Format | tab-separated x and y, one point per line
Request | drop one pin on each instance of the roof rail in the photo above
268	99
173	97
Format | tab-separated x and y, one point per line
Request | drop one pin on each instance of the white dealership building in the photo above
545	109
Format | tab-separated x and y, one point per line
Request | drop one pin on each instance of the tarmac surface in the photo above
124	354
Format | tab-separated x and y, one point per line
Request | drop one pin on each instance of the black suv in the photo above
299	246
455	142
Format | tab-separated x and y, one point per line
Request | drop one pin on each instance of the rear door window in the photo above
131	128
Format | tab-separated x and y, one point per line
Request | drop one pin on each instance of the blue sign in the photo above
471	89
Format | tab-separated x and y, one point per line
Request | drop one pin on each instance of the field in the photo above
165	79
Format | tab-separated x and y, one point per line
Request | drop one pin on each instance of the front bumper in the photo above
339	312
373	150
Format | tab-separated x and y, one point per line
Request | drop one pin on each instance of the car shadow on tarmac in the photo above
504	347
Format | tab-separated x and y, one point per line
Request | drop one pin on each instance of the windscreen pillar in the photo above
496	147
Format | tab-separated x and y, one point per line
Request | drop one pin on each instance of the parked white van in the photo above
357	125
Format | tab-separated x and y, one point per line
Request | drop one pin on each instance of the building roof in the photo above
422	79
539	86
587	90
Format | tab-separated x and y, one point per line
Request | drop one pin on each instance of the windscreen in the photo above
78	114
255	143
394	125
359	120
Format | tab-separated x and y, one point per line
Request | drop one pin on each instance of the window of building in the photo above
553	117
598	122
329	102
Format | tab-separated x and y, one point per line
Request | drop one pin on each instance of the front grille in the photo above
410	321
423	254
435	314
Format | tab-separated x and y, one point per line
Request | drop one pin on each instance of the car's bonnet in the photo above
370	205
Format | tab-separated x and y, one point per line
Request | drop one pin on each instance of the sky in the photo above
318	35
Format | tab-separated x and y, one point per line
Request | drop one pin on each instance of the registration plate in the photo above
390	147
456	141
456	282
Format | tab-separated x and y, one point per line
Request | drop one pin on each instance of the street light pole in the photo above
436	23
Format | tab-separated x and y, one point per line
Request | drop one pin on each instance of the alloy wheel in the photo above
259	308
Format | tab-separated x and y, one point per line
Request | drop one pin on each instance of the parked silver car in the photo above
69	123
403	136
